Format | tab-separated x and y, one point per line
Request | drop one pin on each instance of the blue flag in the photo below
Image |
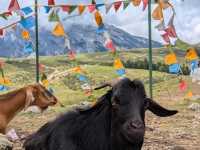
100	29
27	10
82	78
194	65
121	72
47	9
175	68
28	22
3	88
28	49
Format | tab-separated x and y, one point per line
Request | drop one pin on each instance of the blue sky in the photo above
133	19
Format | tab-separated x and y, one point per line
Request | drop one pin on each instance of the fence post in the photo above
150	51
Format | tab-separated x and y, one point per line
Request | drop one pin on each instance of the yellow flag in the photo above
157	13
45	83
118	64
81	9
191	54
58	30
5	81
170	59
25	35
136	2
98	18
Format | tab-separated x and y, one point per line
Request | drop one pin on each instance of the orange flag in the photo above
58	30
118	64
81	9
136	2
25	35
191	54
164	4
98	18
170	59
157	13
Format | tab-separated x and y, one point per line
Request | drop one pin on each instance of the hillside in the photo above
83	38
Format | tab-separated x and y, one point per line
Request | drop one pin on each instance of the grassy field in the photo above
165	91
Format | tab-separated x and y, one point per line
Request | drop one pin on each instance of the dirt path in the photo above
181	132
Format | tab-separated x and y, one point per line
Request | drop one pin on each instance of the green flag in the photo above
53	17
126	4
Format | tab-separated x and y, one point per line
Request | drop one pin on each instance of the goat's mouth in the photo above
134	137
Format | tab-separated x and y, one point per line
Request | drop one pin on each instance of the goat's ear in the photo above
159	110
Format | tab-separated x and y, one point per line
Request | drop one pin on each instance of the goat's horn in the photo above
110	84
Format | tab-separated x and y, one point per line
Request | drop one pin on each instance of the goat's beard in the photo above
34	109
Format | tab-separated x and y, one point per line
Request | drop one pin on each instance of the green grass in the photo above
22	72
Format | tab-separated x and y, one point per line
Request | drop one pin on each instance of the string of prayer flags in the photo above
117	5
119	67
58	30
13	6
28	23
25	35
53	17
191	54
170	59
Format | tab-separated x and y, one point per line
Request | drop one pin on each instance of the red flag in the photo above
117	5
1	32
41	68
182	85
145	3
166	37
171	31
66	8
14	5
91	8
51	2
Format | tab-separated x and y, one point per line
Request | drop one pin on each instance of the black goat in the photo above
116	122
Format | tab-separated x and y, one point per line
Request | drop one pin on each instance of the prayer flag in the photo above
145	3
58	30
91	8
174	68
81	9
118	64
53	17
27	10
191	54
157	13
136	2
117	5
28	22
51	2
14	5
170	59
98	18
25	35
126	4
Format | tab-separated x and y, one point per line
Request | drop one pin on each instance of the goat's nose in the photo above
136	124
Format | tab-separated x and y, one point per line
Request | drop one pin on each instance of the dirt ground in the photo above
180	132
